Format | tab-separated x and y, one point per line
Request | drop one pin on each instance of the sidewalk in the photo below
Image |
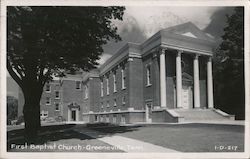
229	122
124	143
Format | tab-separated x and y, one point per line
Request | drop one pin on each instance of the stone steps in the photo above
200	115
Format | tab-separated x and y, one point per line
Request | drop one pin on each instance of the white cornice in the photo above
186	49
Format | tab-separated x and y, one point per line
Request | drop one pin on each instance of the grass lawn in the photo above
186	137
57	139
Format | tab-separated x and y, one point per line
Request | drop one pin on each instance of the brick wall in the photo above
135	84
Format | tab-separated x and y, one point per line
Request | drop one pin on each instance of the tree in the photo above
11	108
43	42
229	66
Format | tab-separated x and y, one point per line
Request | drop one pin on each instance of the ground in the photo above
191	137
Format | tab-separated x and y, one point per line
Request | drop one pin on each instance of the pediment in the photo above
188	30
74	105
189	34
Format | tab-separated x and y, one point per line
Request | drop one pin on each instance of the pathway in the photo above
124	143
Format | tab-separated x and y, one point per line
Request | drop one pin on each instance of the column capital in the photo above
162	50
196	56
179	52
130	59
209	59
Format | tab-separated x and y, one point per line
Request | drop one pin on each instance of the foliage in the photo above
229	66
43	42
46	41
11	108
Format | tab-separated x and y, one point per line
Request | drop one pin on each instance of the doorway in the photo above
185	97
73	115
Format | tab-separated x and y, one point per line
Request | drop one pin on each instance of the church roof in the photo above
186	37
190	30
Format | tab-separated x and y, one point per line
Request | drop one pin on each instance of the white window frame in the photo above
148	75
80	86
114	118
86	92
123	78
48	91
47	100
115	103
102	89
58	94
107	118
96	118
58	106
123	119
115	82
108	104
107	82
123	100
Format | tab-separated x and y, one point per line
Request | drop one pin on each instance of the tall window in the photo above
107	104
107	81
123	78
47	87
115	83
148	74
102	89
107	118
57	107
102	105
57	94
48	102
86	91
115	103
114	118
78	84
123	100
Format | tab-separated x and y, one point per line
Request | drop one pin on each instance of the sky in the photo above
140	22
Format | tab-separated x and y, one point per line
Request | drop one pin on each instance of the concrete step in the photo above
200	114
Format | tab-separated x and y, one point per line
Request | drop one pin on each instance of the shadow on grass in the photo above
63	132
44	129
107	129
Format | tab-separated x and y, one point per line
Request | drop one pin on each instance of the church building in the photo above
167	78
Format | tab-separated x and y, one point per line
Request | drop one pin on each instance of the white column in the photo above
163	79
196	83
178	79
77	114
69	114
210	83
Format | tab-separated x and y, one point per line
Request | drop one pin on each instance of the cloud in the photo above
140	22
151	19
104	58
218	22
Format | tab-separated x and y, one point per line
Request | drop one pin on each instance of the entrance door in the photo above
148	112
185	97
73	115
123	120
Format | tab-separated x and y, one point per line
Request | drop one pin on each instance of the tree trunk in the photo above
31	112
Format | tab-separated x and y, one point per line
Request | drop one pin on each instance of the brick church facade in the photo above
167	78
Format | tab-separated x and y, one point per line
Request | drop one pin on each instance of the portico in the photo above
179	80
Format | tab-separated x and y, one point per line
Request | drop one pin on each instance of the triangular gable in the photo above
188	30
189	34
